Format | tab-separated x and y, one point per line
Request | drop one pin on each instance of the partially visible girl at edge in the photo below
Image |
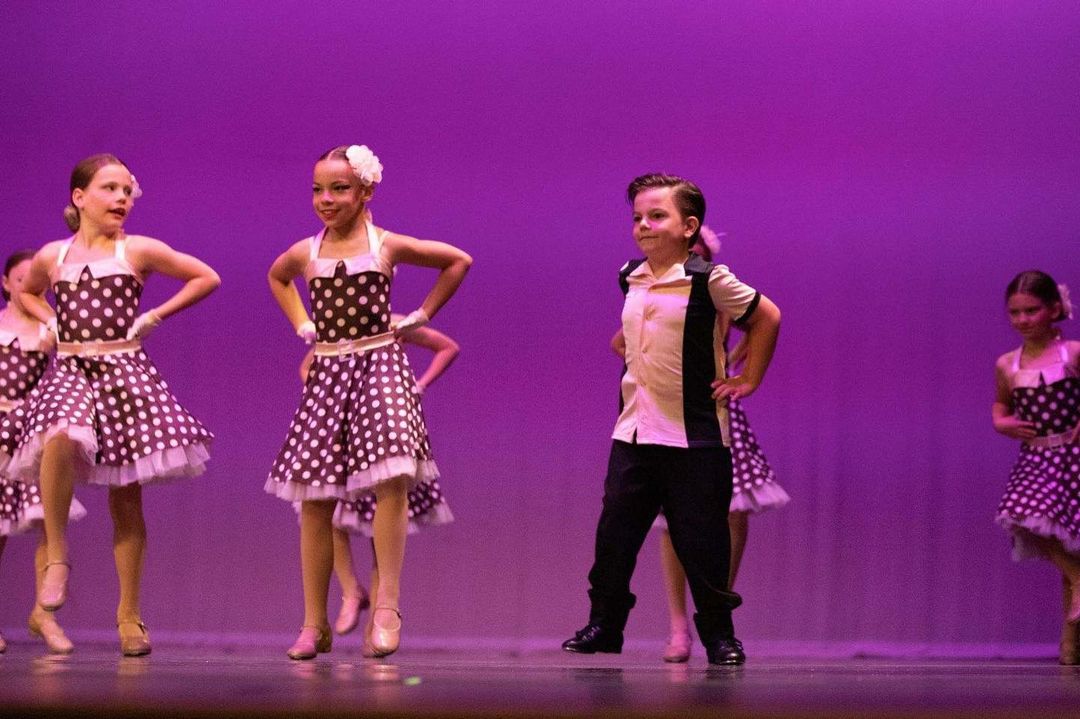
25	346
1038	403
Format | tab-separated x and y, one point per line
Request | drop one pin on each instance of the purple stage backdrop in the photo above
882	169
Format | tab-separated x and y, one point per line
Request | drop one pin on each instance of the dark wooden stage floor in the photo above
182	681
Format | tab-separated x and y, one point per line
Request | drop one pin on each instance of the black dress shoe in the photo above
595	638
727	652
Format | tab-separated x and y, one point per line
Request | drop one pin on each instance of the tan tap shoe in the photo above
349	616
313	640
385	639
678	648
41	624
53	591
134	638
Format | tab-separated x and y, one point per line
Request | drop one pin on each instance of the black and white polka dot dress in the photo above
359	422
22	365
1043	493
754	485
116	407
427	508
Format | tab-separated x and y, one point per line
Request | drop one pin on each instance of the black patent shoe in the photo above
595	638
726	652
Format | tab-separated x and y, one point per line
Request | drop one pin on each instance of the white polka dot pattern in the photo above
426	506
117	407
1043	493
359	422
20	372
750	470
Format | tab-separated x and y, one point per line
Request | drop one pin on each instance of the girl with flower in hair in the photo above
359	428
103	415
25	346
1038	403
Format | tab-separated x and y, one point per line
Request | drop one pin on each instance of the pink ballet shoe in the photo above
678	648
313	640
3	644
134	638
349	616
385	639
53	591
41	624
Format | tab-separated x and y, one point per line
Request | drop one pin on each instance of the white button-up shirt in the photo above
654	319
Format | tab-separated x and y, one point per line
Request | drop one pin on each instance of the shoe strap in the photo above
136	622
389	609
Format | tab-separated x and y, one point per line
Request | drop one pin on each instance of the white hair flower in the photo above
1066	303
136	189
364	164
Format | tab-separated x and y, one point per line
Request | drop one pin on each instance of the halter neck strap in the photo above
119	249
374	242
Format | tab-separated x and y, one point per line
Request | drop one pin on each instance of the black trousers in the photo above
693	487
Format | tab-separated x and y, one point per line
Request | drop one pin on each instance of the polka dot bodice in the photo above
1054	408
348	306
20	371
1047	396
94	309
1043	493
359	422
116	407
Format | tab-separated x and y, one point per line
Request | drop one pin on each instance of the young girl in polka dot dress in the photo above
1038	402
103	415
427	504
359	427
25	346
754	488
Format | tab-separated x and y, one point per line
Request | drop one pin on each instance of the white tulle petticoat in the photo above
414	470
159	465
1023	547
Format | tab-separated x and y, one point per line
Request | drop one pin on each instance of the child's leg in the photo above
674	586
354	598
316	558
57	488
1069	565
41	622
343	565
678	647
739	525
316	565
390	525
368	650
1069	648
129	547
